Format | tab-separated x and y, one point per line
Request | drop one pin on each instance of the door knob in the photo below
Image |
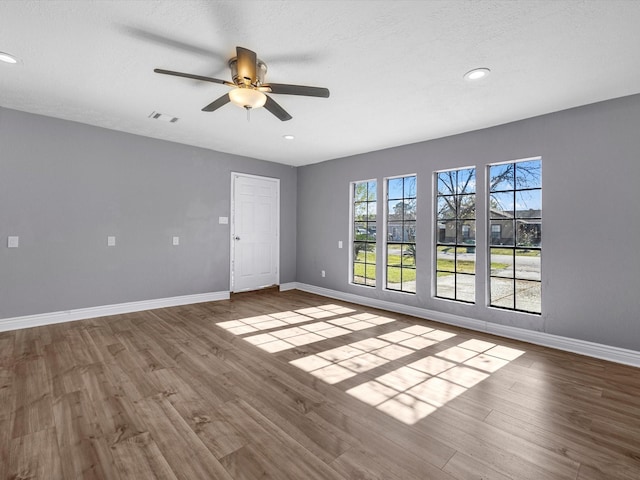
237	237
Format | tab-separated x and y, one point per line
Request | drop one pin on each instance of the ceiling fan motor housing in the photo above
261	71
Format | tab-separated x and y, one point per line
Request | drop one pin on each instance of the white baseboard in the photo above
591	349
596	350
38	320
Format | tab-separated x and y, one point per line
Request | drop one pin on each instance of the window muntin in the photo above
363	267
515	240
400	252
455	245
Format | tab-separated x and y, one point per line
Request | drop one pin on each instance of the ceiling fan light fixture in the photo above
476	74
247	97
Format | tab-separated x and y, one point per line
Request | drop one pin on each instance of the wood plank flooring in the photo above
289	385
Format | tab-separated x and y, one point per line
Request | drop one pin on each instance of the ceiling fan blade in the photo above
194	77
282	88
276	109
247	61
175	43
216	104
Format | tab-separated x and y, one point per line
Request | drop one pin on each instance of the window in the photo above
496	232
515	216
456	235
364	233
401	234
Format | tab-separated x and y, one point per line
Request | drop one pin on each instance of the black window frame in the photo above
443	223
514	222
363	232
406	244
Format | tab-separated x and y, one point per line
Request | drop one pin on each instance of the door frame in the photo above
232	226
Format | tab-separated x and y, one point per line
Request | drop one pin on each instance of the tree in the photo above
398	211
454	194
410	251
512	176
403	211
362	247
519	174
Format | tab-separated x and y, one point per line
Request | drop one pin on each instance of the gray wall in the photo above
64	187
591	226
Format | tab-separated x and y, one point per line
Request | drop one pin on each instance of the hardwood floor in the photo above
296	386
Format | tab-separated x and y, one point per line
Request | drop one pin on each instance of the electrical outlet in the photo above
111	241
176	240
323	274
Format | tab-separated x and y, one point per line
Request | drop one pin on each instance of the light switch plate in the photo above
223	220
111	241
13	242
176	240
339	243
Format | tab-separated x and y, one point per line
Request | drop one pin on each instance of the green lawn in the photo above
445	267
464	266
393	272
521	252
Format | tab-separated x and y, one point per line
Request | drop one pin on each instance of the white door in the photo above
255	222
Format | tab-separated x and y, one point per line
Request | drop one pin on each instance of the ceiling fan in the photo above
248	87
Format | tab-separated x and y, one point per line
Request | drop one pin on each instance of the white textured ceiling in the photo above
394	68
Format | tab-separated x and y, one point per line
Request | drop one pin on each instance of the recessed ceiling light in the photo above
288	137
476	74
7	58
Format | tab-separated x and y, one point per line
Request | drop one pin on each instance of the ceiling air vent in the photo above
163	117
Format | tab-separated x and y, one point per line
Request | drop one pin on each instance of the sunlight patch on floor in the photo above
340	363
408	393
414	391
294	336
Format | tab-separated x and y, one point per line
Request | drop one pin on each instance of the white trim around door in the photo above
254	232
